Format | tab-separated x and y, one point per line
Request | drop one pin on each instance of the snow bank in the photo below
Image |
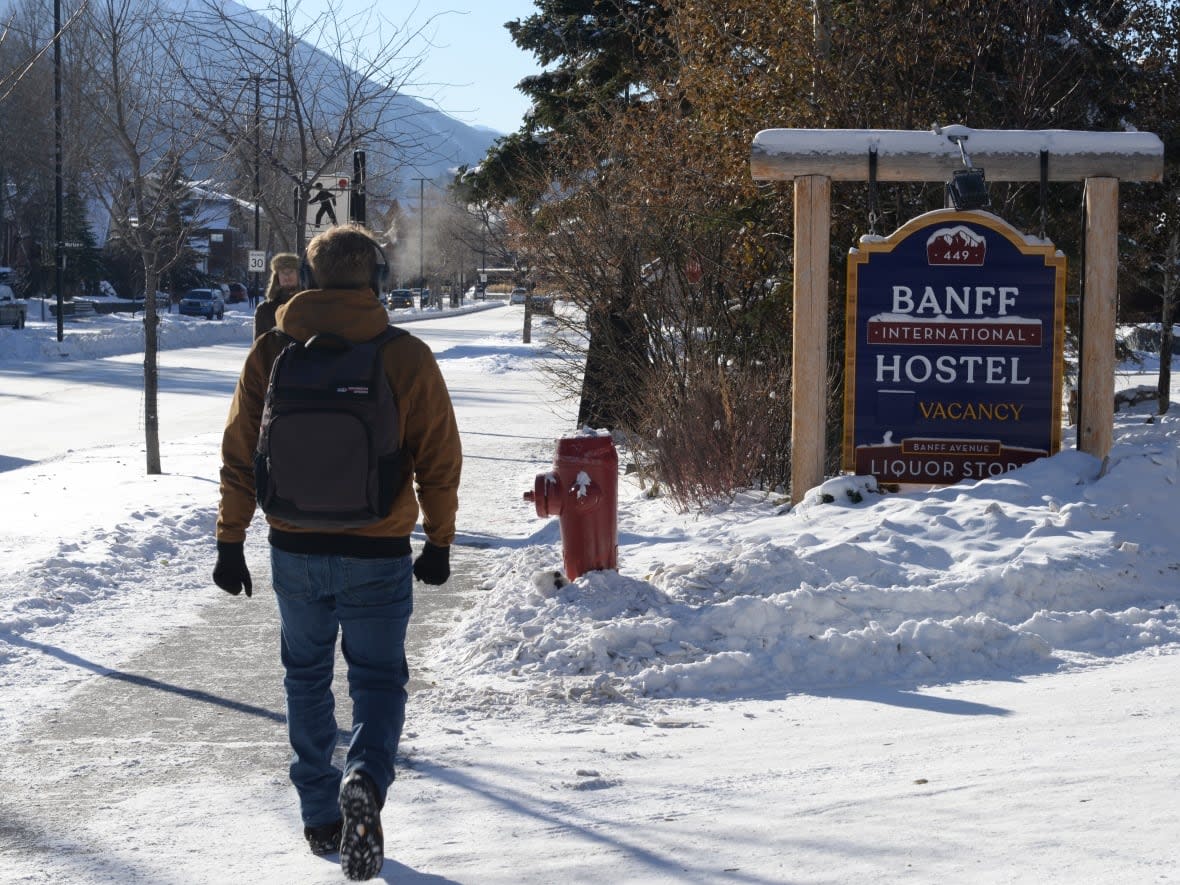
116	334
1050	565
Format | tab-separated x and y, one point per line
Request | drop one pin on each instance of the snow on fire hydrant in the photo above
582	490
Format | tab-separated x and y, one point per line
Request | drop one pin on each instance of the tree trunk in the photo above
151	375
617	364
615	369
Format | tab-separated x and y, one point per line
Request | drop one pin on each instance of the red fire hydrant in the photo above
582	490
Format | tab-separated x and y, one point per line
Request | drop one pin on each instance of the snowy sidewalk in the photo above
205	704
154	745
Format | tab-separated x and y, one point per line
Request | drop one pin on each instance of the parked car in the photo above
12	312
518	295
237	293
541	303
399	299
206	303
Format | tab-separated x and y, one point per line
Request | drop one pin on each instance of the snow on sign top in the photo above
1015	141
928	155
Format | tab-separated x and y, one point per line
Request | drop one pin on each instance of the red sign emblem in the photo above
956	246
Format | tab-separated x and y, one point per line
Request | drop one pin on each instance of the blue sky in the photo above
470	65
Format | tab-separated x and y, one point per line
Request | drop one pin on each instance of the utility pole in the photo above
59	259
257	165
257	80
421	233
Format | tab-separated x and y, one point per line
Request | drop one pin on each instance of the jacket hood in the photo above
355	314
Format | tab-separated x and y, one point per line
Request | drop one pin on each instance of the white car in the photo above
519	295
12	312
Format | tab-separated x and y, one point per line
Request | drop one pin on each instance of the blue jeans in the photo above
369	602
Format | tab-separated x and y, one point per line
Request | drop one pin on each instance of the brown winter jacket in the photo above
429	435
264	314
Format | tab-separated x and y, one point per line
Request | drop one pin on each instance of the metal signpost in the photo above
954	350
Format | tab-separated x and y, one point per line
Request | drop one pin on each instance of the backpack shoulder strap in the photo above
388	334
279	335
278	343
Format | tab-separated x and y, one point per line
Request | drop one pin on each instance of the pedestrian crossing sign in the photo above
328	203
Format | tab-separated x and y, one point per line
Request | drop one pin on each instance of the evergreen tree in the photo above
1150	256
599	56
84	263
637	159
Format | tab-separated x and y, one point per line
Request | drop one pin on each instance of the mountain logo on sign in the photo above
956	246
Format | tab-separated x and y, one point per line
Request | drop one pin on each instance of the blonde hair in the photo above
343	257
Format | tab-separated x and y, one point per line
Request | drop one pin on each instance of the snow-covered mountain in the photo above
430	143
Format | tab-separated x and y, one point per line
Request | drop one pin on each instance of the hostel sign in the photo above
954	350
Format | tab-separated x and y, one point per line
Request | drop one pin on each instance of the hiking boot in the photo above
362	844
324	839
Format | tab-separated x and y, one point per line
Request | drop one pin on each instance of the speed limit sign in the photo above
257	263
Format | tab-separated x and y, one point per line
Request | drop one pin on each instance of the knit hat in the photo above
284	261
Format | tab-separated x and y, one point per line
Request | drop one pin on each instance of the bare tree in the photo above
26	40
26	162
266	94
137	168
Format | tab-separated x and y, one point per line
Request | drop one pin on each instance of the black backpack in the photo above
328	455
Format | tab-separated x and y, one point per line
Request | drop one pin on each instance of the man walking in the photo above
355	581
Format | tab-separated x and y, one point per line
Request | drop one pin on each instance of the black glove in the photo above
433	566
230	573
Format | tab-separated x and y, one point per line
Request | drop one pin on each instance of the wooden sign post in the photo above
813	158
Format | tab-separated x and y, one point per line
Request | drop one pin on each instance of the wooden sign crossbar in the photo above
1005	155
813	158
